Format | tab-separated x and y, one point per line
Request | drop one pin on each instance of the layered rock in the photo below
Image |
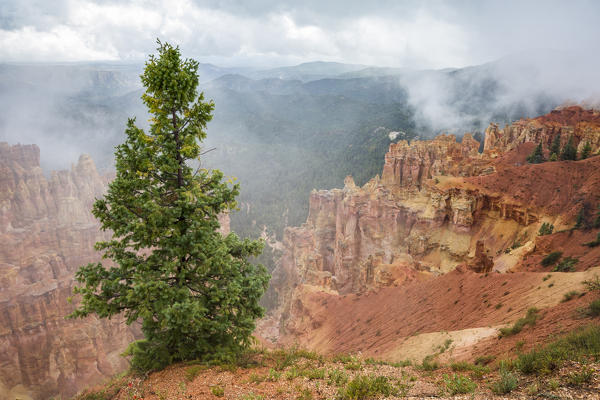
582	125
47	232
439	204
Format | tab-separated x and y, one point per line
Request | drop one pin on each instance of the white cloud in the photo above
413	34
61	43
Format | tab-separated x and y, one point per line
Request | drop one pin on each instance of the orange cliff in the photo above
439	206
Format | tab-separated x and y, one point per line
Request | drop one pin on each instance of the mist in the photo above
520	85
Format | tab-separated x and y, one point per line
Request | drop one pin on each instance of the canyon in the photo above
426	247
443	245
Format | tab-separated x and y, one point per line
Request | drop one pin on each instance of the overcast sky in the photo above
414	34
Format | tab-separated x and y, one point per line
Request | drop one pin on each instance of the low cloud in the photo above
413	34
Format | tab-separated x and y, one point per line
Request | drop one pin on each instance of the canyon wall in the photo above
47	231
438	205
569	122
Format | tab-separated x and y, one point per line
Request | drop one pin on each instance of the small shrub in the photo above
507	383
484	360
532	389
251	396
547	277
304	394
458	384
553	384
551	258
273	375
218	391
343	358
593	284
366	387
256	378
566	265
354	364
546	229
582	377
461	366
292	373
477	371
570	295
192	372
529	319
314	374
428	364
337	377
577	345
594	308
498	306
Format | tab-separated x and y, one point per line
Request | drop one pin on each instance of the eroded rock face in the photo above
580	124
46	233
438	205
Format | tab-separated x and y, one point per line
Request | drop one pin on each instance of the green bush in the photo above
546	229
192	372
578	345
217	391
507	383
314	373
428	364
582	377
593	284
551	258
367	387
570	295
458	384
594	308
477	371
529	319
337	377
484	360
566	265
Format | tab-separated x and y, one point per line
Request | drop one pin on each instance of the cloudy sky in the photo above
415	34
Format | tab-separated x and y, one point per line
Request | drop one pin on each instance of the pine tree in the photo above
585	152
580	221
537	156
193	290
569	152
555	147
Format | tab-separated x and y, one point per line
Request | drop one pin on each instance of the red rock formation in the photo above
580	124
439	204
46	233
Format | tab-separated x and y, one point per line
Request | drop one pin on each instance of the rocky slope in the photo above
439	205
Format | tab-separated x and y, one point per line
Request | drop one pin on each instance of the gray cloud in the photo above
416	34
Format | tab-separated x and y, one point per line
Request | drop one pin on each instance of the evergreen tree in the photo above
555	147
537	156
585	152
569	152
597	219
580	221
193	290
